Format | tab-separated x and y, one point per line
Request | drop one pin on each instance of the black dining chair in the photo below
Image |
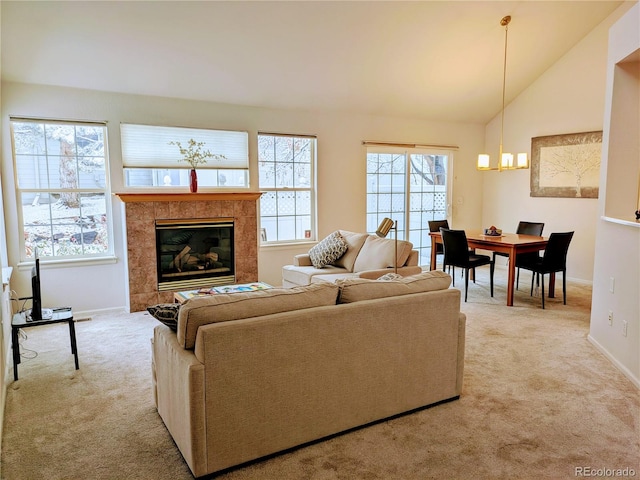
434	226
554	260
457	254
524	228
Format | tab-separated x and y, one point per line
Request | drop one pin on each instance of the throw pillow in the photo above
166	313
328	250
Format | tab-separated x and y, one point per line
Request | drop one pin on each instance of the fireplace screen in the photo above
194	253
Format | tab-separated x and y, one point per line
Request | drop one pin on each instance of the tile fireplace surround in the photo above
141	212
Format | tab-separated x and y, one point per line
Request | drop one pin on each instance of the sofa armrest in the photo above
180	396
375	274
412	260
302	260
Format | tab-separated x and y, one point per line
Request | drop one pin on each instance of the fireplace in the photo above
143	210
194	253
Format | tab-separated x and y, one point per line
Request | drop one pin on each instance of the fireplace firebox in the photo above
194	253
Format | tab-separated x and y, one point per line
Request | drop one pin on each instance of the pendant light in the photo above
506	161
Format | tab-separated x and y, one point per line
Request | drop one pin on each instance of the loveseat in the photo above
247	375
366	256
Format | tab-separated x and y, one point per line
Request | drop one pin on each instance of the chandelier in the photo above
506	161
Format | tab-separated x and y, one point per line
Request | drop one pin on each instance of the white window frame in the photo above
28	254
412	224
272	192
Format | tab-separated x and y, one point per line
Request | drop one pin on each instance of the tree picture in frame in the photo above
566	165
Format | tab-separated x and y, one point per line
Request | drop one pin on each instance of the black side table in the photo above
20	321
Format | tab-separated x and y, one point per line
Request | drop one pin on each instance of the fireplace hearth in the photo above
194	253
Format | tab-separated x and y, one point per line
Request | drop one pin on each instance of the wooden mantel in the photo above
186	197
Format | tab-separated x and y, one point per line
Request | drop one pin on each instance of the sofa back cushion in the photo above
199	311
377	253
358	289
354	244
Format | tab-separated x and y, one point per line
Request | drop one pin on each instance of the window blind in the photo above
148	146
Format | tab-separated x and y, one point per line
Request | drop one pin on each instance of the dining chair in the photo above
434	226
457	254
554	260
524	228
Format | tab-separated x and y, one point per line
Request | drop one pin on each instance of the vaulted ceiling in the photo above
429	59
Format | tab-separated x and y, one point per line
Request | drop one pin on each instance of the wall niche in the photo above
623	169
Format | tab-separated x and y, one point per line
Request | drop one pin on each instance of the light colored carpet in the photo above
538	402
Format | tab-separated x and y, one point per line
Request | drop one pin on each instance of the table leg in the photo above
432	265
511	278
15	346
74	345
552	285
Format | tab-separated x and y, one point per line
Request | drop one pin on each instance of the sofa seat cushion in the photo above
328	250
304	275
358	289
199	311
377	253
355	241
332	277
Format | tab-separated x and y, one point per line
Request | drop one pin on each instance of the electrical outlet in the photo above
624	328
610	317
612	284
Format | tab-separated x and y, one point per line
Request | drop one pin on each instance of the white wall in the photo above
618	244
341	171
567	98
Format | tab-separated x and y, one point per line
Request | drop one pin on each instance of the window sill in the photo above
622	221
69	262
289	245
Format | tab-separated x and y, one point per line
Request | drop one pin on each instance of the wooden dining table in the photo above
509	243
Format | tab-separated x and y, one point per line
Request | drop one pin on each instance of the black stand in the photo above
22	320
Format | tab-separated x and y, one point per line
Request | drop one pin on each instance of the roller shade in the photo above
148	146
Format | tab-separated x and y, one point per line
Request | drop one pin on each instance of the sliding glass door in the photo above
410	186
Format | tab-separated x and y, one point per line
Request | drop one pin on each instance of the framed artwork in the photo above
566	165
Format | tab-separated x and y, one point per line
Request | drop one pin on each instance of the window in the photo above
151	158
410	186
287	178
62	191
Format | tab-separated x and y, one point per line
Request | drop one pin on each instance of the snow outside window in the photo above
62	188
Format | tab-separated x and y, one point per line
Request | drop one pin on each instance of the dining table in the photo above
509	243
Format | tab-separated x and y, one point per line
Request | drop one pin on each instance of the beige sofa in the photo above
251	374
367	256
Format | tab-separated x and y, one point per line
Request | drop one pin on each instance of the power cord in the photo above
25	353
14	298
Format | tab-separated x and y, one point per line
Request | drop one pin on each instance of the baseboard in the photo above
625	371
7	377
80	315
